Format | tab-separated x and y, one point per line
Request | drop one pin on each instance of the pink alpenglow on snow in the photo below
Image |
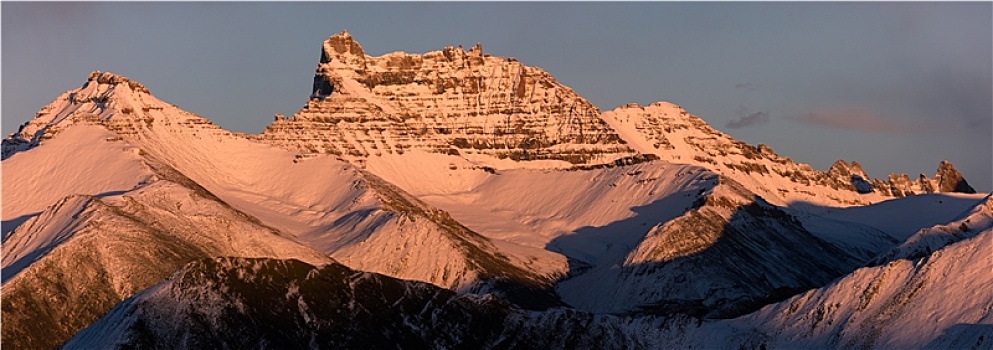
459	198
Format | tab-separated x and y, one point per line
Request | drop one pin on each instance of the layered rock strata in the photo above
450	101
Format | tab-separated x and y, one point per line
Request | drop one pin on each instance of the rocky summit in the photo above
450	101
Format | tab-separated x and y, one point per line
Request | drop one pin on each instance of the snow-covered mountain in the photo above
934	291
668	131
497	196
66	266
142	160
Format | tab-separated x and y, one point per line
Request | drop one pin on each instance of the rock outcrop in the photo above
951	180
850	176
449	101
108	99
946	179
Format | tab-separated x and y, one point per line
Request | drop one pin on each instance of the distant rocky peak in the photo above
841	168
113	101
448	101
850	176
342	47
950	180
103	96
679	116
114	79
672	134
946	179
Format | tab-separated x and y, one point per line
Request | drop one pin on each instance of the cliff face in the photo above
449	101
486	108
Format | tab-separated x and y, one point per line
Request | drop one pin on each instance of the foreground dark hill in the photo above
288	304
264	303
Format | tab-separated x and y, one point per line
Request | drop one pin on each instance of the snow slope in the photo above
66	267
42	233
320	201
902	217
329	205
940	297
729	253
873	229
85	159
591	215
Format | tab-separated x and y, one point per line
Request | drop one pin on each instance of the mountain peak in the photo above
951	180
841	167
114	79
447	101
341	46
946	179
112	100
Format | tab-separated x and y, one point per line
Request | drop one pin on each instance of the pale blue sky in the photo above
895	86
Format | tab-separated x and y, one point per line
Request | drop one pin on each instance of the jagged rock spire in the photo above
946	179
850	176
950	180
342	46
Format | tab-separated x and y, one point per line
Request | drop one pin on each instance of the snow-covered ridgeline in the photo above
393	168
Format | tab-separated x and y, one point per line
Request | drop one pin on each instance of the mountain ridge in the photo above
448	101
100	104
420	167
